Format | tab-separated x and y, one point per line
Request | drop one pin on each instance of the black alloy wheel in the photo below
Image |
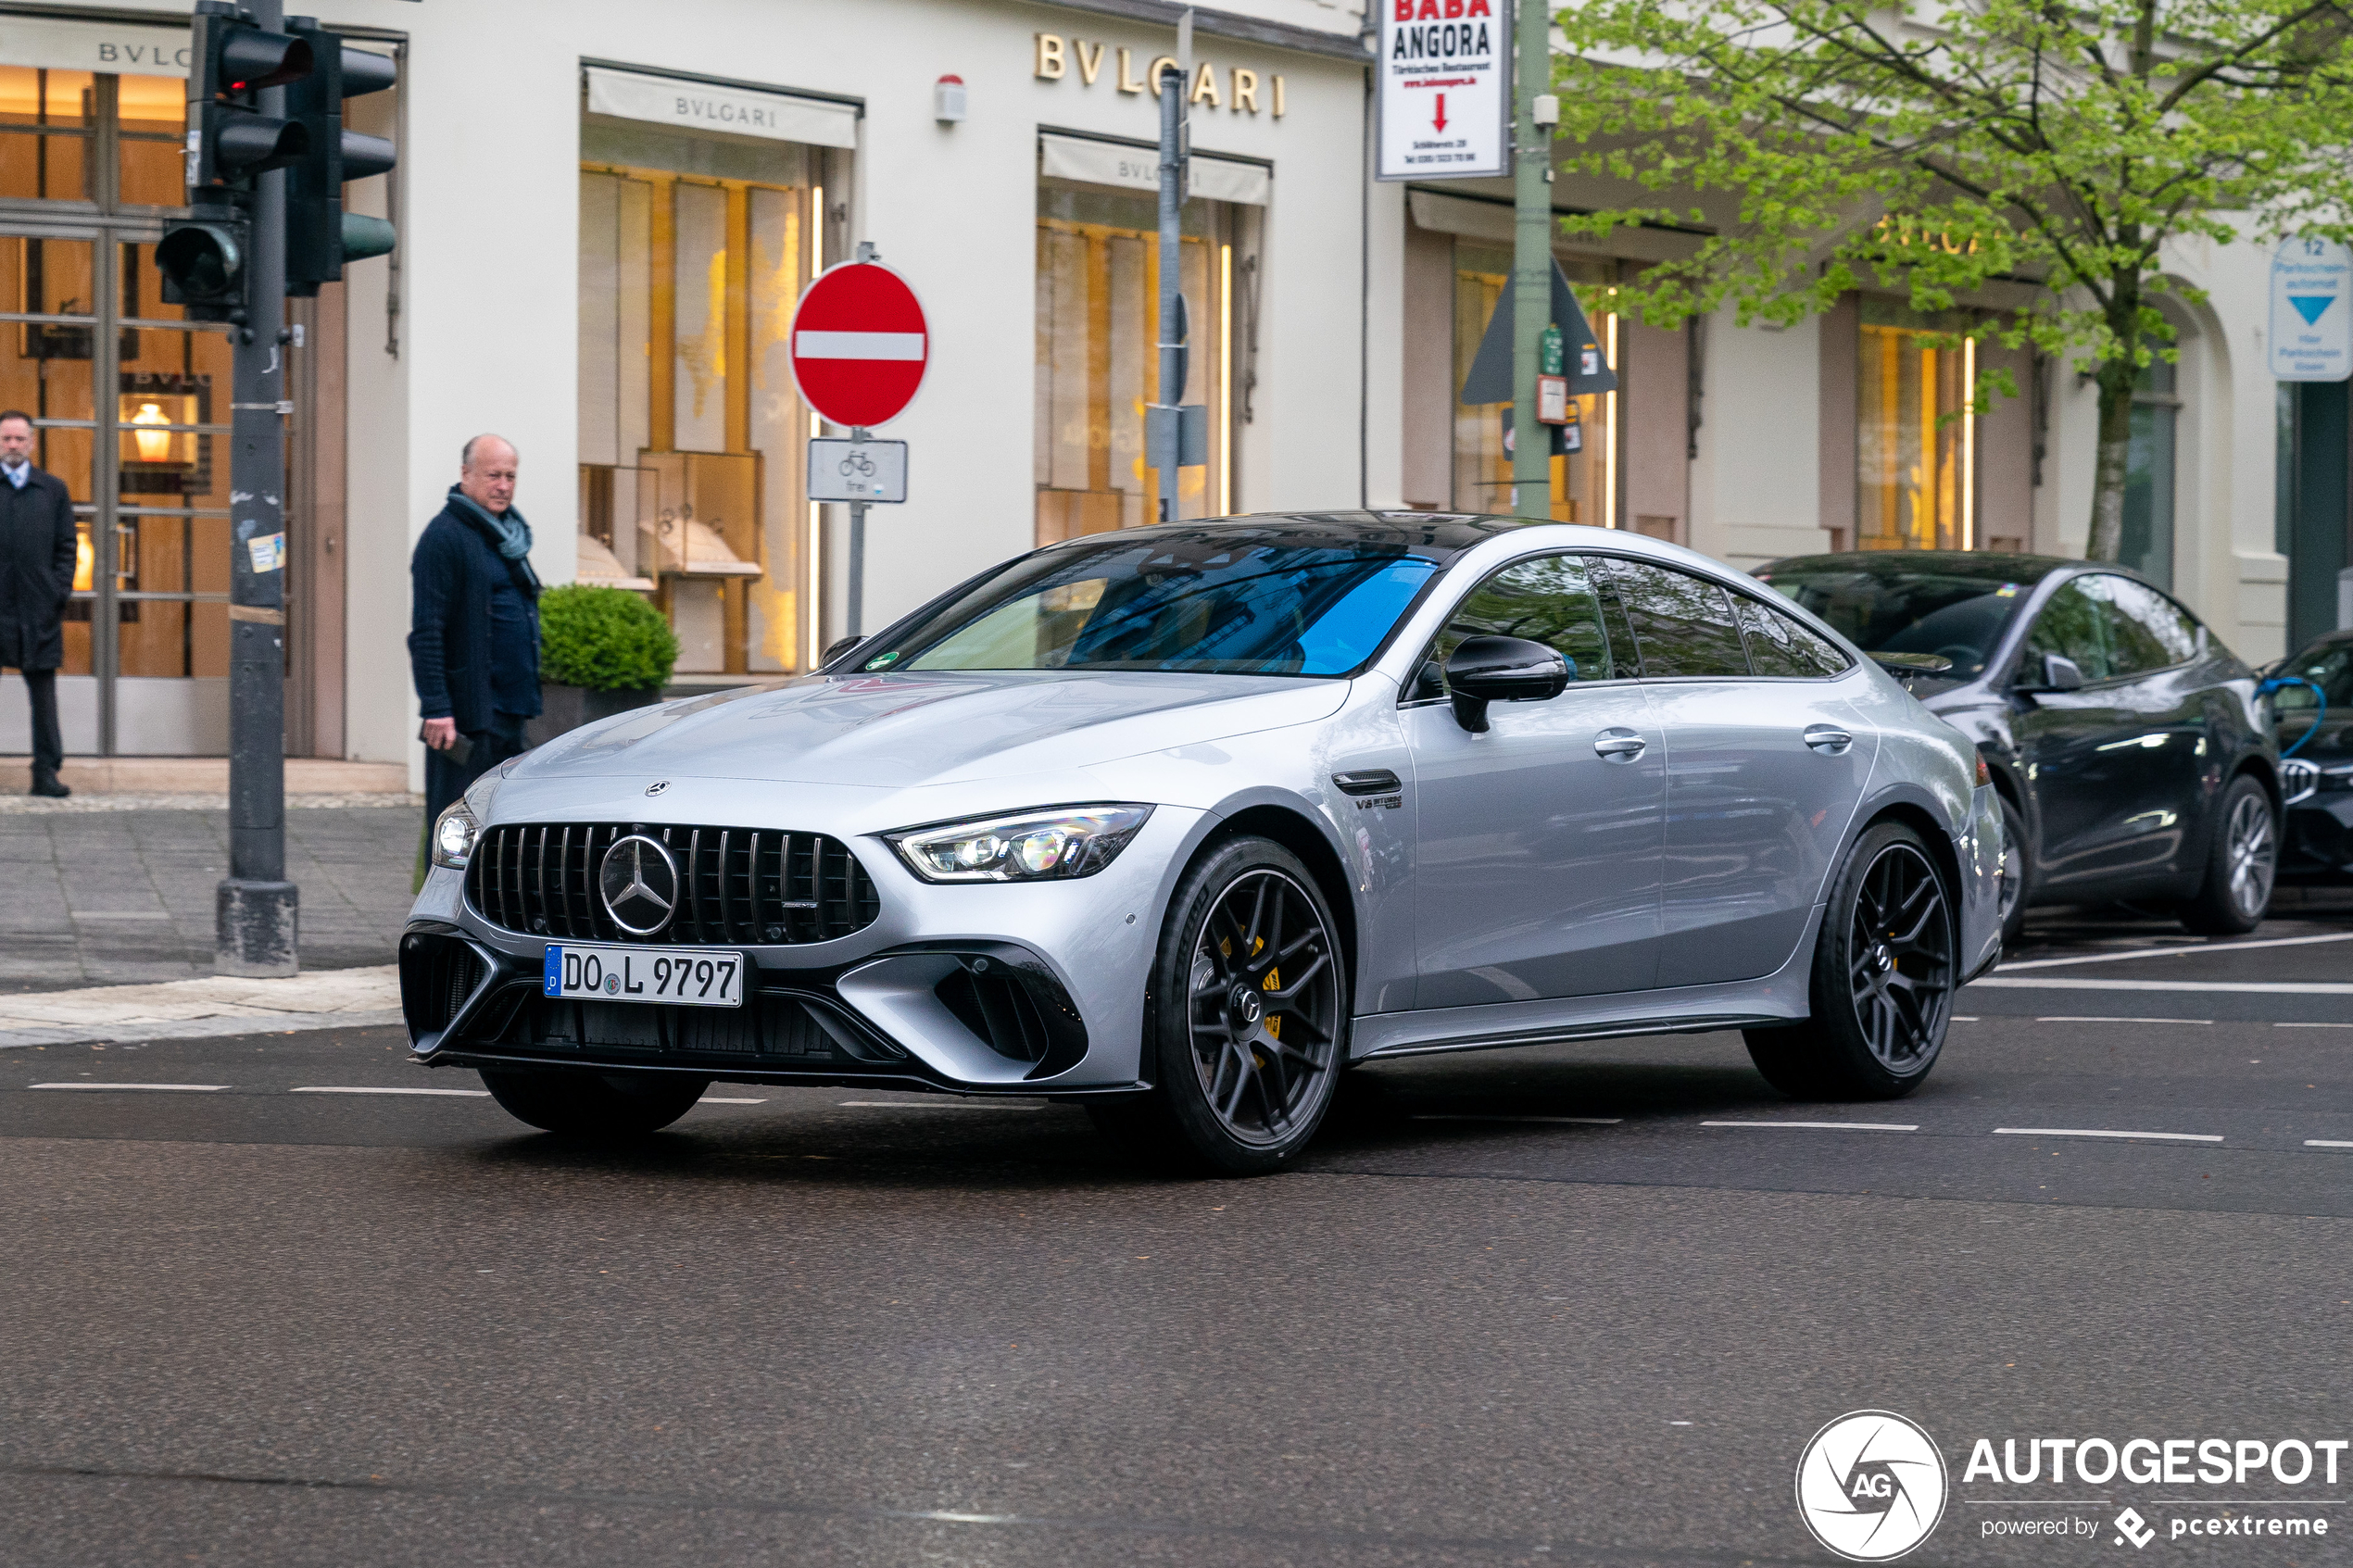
2242	861
1247	1019
1884	974
606	1106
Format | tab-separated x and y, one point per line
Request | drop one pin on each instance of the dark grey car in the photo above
2121	733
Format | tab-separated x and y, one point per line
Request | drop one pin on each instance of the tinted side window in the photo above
2146	630
1779	646
1683	625
2073	626
1551	599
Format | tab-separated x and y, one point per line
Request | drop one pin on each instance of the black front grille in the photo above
735	884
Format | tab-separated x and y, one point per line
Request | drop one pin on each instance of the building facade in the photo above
605	226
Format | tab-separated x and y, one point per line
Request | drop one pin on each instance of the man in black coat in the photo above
36	578
473	638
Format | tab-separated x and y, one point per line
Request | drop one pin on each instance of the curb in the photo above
196	1028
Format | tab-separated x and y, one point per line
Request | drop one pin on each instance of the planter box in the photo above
565	709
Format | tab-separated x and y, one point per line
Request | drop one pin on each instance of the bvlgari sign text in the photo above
1241	90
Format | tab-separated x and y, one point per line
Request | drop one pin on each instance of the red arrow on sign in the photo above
860	346
1442	112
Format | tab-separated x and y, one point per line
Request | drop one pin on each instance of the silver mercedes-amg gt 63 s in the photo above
1180	821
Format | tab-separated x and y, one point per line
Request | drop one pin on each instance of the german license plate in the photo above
683	977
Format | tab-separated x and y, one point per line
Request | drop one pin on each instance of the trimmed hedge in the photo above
605	639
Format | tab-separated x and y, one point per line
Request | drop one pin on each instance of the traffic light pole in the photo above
1531	258
256	910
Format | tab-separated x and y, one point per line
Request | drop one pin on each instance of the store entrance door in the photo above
129	407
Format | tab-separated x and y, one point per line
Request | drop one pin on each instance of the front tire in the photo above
2241	864
1246	1020
609	1105
1884	974
2018	873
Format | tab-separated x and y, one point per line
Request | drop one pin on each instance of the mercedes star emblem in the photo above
640	884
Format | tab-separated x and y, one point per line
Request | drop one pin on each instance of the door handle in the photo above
1827	739
1618	745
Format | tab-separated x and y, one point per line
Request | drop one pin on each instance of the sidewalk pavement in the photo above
119	890
181	1010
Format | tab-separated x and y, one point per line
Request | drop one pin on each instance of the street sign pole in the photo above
1532	261
256	907
1173	81
857	625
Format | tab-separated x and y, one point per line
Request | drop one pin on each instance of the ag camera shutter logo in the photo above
1872	1485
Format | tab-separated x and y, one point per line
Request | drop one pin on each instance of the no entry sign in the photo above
859	344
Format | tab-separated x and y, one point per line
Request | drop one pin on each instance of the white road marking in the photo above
2282	987
187	1088
1465	1116
2169	952
2326	1143
352	1089
723	1099
934	1104
2312	1025
2104	1133
2102	1018
1828	1126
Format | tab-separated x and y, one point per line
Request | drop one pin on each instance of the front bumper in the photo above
972	988
2317	839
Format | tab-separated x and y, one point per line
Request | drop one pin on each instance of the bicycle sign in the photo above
856	471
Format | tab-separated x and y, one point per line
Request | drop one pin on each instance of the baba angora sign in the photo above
1445	89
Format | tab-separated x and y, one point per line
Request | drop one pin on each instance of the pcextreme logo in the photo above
1872	1485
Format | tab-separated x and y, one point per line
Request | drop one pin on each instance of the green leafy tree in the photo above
1936	149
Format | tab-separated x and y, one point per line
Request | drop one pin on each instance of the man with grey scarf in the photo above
473	638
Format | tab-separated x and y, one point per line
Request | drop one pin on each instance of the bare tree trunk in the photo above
2117	377
2109	470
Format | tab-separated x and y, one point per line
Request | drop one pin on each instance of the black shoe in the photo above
52	786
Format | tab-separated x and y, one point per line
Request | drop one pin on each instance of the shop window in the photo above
48	122
692	258
1916	452
2147	546
1098	323
1586	478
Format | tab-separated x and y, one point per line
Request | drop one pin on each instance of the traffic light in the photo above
320	236
231	144
230	140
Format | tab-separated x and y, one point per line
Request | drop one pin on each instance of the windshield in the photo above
1216	602
2329	667
1958	615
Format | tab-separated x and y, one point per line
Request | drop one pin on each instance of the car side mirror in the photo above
1487	669
836	648
2060	673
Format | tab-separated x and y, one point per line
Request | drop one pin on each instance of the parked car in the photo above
2312	707
2122	735
1179	821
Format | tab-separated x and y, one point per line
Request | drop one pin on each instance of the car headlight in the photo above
1033	846
453	836
2339	777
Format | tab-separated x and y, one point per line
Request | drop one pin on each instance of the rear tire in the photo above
1884	975
611	1106
1245	1022
2242	863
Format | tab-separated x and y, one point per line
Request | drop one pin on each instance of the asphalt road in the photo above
1566	1305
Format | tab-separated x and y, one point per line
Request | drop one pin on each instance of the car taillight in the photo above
1984	773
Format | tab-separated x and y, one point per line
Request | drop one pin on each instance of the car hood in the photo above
900	731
